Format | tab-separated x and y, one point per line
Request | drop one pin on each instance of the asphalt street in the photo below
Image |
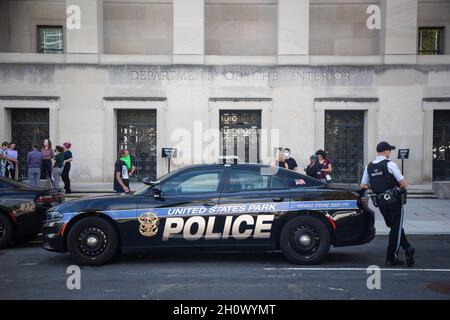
29	272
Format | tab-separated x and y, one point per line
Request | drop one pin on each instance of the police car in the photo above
219	207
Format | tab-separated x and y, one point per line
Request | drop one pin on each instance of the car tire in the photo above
6	231
305	240
92	241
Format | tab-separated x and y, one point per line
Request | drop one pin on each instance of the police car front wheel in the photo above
305	240
92	241
6	231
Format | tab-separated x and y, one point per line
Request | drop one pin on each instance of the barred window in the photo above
50	39
431	40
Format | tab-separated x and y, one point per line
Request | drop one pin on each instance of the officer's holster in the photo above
390	196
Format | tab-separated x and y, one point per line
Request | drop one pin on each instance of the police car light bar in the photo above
228	159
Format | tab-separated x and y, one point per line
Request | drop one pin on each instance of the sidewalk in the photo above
422	217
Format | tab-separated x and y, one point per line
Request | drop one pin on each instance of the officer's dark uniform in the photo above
389	200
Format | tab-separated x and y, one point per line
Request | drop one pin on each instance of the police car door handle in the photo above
278	199
209	203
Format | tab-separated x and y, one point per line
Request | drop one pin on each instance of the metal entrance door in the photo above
240	134
136	132
344	143
441	145
28	127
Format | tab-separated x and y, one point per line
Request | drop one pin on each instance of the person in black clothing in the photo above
313	168
389	186
292	164
281	160
121	174
66	169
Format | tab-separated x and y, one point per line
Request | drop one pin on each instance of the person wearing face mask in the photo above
292	164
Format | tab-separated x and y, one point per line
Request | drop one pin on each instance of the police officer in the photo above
388	184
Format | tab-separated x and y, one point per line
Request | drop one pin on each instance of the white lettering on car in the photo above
197	227
172	226
263	223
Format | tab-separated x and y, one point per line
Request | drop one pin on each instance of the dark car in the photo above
219	207
22	210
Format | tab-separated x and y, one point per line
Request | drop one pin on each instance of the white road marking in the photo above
356	269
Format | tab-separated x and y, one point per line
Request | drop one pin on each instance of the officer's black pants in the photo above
392	214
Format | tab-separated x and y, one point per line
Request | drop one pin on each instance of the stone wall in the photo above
340	29
436	14
240	28
292	99
24	18
138	28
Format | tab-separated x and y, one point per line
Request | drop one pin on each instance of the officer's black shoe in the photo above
410	256
395	263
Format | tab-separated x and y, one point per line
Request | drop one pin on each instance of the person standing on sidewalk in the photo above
57	166
66	166
292	164
121	174
13	162
389	187
34	161
313	168
4	159
325	164
281	161
47	156
127	159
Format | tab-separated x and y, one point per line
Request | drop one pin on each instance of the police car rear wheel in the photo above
305	240
92	241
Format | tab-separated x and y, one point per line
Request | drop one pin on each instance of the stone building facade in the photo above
303	74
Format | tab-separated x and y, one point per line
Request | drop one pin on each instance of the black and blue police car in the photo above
217	206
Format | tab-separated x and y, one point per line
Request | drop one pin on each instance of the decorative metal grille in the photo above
240	134
136	132
441	145
344	143
28	126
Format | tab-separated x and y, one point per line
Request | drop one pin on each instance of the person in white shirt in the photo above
384	178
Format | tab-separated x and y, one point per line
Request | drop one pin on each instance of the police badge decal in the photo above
148	224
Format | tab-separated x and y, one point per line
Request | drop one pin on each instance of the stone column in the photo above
5	124
4	26
427	152
293	31
400	43
188	31
88	39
